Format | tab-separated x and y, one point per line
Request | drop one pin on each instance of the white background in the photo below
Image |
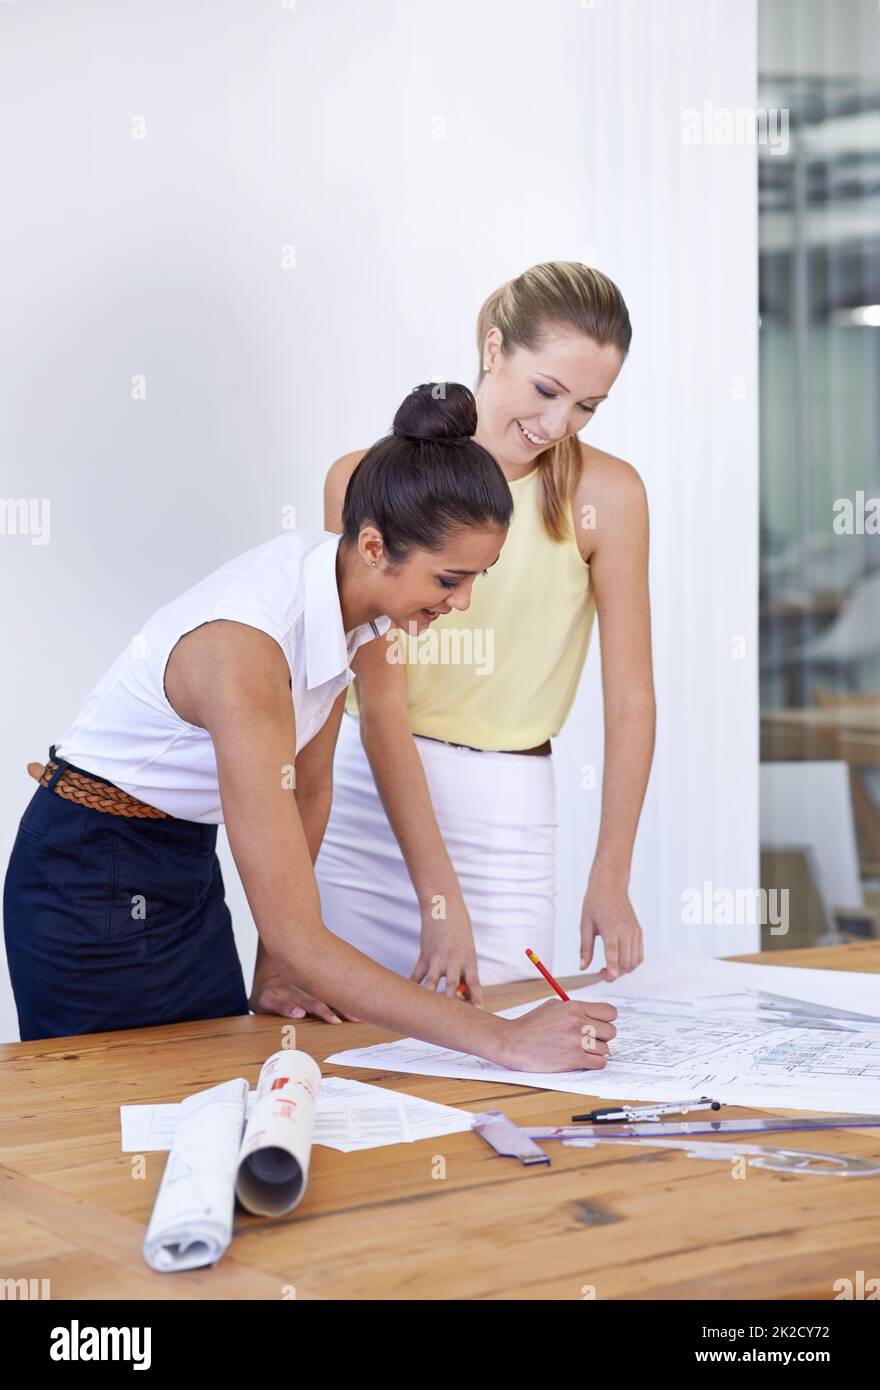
415	155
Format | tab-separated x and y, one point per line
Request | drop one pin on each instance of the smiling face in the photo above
429	583
530	399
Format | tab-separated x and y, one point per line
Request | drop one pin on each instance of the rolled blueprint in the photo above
274	1159
191	1223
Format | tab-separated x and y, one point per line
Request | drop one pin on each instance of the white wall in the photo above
676	225
414	155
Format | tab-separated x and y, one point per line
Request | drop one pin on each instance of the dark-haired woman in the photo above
225	708
457	845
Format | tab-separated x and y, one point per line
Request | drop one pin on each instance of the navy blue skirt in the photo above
112	922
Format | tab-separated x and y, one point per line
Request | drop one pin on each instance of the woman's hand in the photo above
559	1036
607	912
447	950
274	995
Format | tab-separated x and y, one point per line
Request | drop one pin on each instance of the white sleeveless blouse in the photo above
127	730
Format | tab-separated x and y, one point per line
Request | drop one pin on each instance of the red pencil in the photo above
547	976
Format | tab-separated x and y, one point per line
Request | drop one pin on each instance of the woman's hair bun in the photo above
415	489
437	412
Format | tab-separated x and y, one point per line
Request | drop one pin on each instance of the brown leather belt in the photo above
542	750
75	785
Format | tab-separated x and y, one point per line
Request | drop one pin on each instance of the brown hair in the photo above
571	295
428	478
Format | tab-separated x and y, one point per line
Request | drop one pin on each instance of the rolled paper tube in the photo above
274	1159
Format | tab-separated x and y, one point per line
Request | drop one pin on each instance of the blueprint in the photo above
729	1034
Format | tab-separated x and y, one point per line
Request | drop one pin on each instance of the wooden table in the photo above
381	1224
815	732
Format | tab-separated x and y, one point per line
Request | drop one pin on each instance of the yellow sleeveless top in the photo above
504	674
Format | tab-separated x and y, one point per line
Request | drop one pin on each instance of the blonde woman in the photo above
439	855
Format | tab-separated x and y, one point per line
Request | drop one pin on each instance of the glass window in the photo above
819	230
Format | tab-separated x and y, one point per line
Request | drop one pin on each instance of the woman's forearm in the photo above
629	749
314	812
271	855
330	968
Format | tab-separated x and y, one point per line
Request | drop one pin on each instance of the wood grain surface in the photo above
442	1218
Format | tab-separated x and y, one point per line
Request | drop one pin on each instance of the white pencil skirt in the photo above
497	816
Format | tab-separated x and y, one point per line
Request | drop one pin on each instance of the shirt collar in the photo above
329	648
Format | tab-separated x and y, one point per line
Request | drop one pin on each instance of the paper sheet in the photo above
351	1115
776	1036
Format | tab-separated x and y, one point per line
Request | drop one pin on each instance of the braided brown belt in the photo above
98	796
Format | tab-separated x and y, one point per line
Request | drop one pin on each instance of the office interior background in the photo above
819	235
281	217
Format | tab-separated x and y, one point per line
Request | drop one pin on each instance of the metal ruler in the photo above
684	1127
756	1155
